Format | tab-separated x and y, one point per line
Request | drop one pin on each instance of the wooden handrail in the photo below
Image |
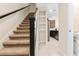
2	16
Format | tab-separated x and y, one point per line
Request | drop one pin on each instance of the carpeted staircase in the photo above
18	43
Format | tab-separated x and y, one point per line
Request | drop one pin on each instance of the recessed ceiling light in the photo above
50	10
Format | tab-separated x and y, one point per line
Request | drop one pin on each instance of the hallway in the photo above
25	29
51	49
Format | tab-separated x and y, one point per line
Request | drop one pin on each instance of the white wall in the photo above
9	23
8	7
76	17
66	28
32	7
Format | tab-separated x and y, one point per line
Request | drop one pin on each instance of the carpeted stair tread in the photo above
22	31
19	51
16	43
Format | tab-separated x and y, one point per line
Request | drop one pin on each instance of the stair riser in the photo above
26	21
14	55
27	38
25	25
21	32
16	45
22	28
18	38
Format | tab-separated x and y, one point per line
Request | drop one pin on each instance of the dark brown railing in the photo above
2	16
32	33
